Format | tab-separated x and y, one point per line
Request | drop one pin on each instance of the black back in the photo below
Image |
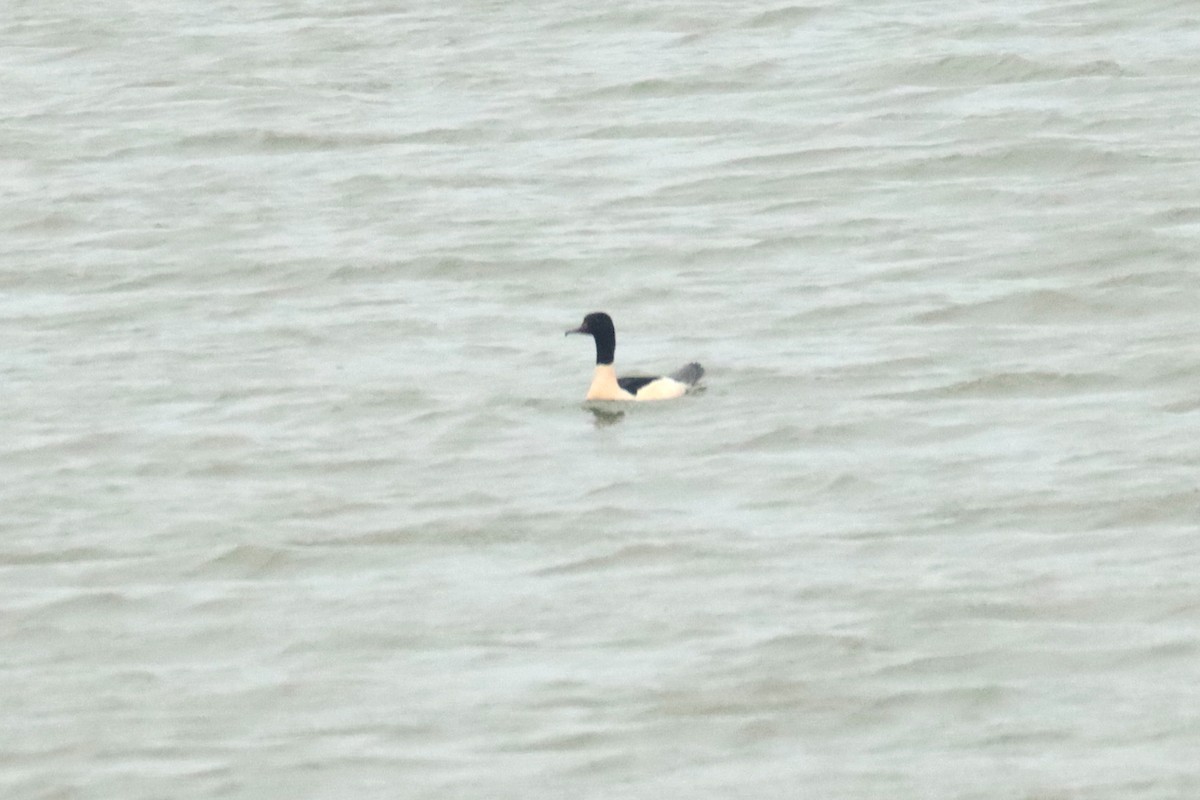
632	383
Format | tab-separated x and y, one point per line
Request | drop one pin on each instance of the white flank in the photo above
661	389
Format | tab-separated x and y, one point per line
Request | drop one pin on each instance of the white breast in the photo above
604	385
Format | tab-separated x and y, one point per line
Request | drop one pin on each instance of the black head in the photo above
596	324
599	326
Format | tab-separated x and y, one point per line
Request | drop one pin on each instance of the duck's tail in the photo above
690	374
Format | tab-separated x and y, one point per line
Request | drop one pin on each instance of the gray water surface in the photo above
299	497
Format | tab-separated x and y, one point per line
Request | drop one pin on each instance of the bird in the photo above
605	383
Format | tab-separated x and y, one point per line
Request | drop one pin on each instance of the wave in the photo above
1037	306
249	561
994	68
629	556
1018	384
784	17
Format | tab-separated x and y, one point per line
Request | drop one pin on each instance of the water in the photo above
298	497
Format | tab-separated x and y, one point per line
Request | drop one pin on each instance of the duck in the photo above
605	383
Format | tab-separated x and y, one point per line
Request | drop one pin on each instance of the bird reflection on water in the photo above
605	416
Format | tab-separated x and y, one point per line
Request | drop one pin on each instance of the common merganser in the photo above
605	383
